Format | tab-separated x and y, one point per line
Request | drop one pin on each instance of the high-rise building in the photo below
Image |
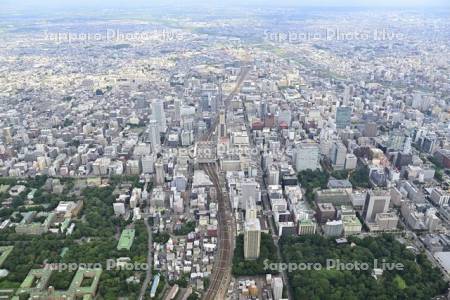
377	201
177	104
153	135
307	156
159	114
215	103
343	117
338	155
277	288
351	161
252	239
222	124
251	211
263	109
160	176
273	175
348	93
250	189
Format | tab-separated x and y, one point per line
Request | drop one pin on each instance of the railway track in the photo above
222	265
221	276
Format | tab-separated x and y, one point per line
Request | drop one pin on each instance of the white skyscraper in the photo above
277	288
177	104
252	239
249	189
160	176
251	212
155	140
346	97
159	114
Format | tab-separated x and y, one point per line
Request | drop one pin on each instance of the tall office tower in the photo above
222	124
267	160
204	102
177	104
307	156
252	239
377	201
250	189
277	288
348	93
251	212
214	103
219	100
338	155
351	161
160	176
159	114
263	109
273	177
343	117
154	137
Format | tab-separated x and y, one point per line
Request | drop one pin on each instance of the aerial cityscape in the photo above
255	150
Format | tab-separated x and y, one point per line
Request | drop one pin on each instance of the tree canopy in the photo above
418	279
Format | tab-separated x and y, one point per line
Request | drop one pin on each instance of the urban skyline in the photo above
191	150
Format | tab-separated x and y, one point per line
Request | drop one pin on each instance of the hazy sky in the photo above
400	3
33	5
